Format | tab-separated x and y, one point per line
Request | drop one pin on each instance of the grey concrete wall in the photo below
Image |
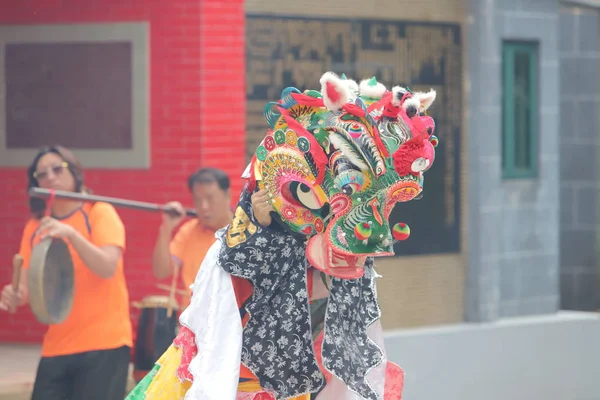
549	357
579	103
513	260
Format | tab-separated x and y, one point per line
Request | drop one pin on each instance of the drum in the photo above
50	280
155	333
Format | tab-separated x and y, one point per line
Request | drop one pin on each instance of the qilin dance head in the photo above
336	161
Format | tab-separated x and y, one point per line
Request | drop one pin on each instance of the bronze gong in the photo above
50	280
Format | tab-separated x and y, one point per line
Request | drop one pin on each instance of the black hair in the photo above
37	206
209	175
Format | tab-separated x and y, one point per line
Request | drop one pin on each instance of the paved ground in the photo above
17	370
18	364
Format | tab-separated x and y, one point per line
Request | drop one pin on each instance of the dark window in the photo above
519	109
75	94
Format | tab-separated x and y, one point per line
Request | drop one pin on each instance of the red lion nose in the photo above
412	150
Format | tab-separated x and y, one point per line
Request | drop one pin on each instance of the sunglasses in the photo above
56	170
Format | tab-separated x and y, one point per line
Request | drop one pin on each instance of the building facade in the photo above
508	225
180	93
579	48
513	143
295	43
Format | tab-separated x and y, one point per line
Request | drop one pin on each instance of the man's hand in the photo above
170	221
261	204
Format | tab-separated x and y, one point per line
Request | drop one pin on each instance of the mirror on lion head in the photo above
336	161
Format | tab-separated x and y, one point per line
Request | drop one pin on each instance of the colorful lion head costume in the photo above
335	163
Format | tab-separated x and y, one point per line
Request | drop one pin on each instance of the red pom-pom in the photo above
401	231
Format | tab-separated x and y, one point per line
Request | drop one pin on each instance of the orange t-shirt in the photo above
188	248
99	317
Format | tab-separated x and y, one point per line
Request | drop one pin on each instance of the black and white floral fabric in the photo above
348	353
278	339
277	343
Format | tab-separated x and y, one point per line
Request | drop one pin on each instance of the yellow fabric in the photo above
166	385
249	386
254	386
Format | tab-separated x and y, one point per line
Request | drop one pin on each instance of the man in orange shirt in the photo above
85	357
186	250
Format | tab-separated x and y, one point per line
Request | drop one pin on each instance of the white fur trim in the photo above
395	91
412	102
425	99
340	86
352	87
374	92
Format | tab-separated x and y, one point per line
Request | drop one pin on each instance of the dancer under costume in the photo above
290	311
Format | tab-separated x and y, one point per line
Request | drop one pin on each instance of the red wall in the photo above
197	119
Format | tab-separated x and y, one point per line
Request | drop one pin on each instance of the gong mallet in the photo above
136	205
168	288
172	289
17	264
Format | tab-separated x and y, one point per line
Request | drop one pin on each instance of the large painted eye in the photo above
350	188
303	195
350	182
306	197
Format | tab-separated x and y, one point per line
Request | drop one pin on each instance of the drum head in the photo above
51	281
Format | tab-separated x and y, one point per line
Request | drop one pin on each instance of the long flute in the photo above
137	205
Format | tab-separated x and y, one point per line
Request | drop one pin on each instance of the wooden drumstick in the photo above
168	288
172	290
17	264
